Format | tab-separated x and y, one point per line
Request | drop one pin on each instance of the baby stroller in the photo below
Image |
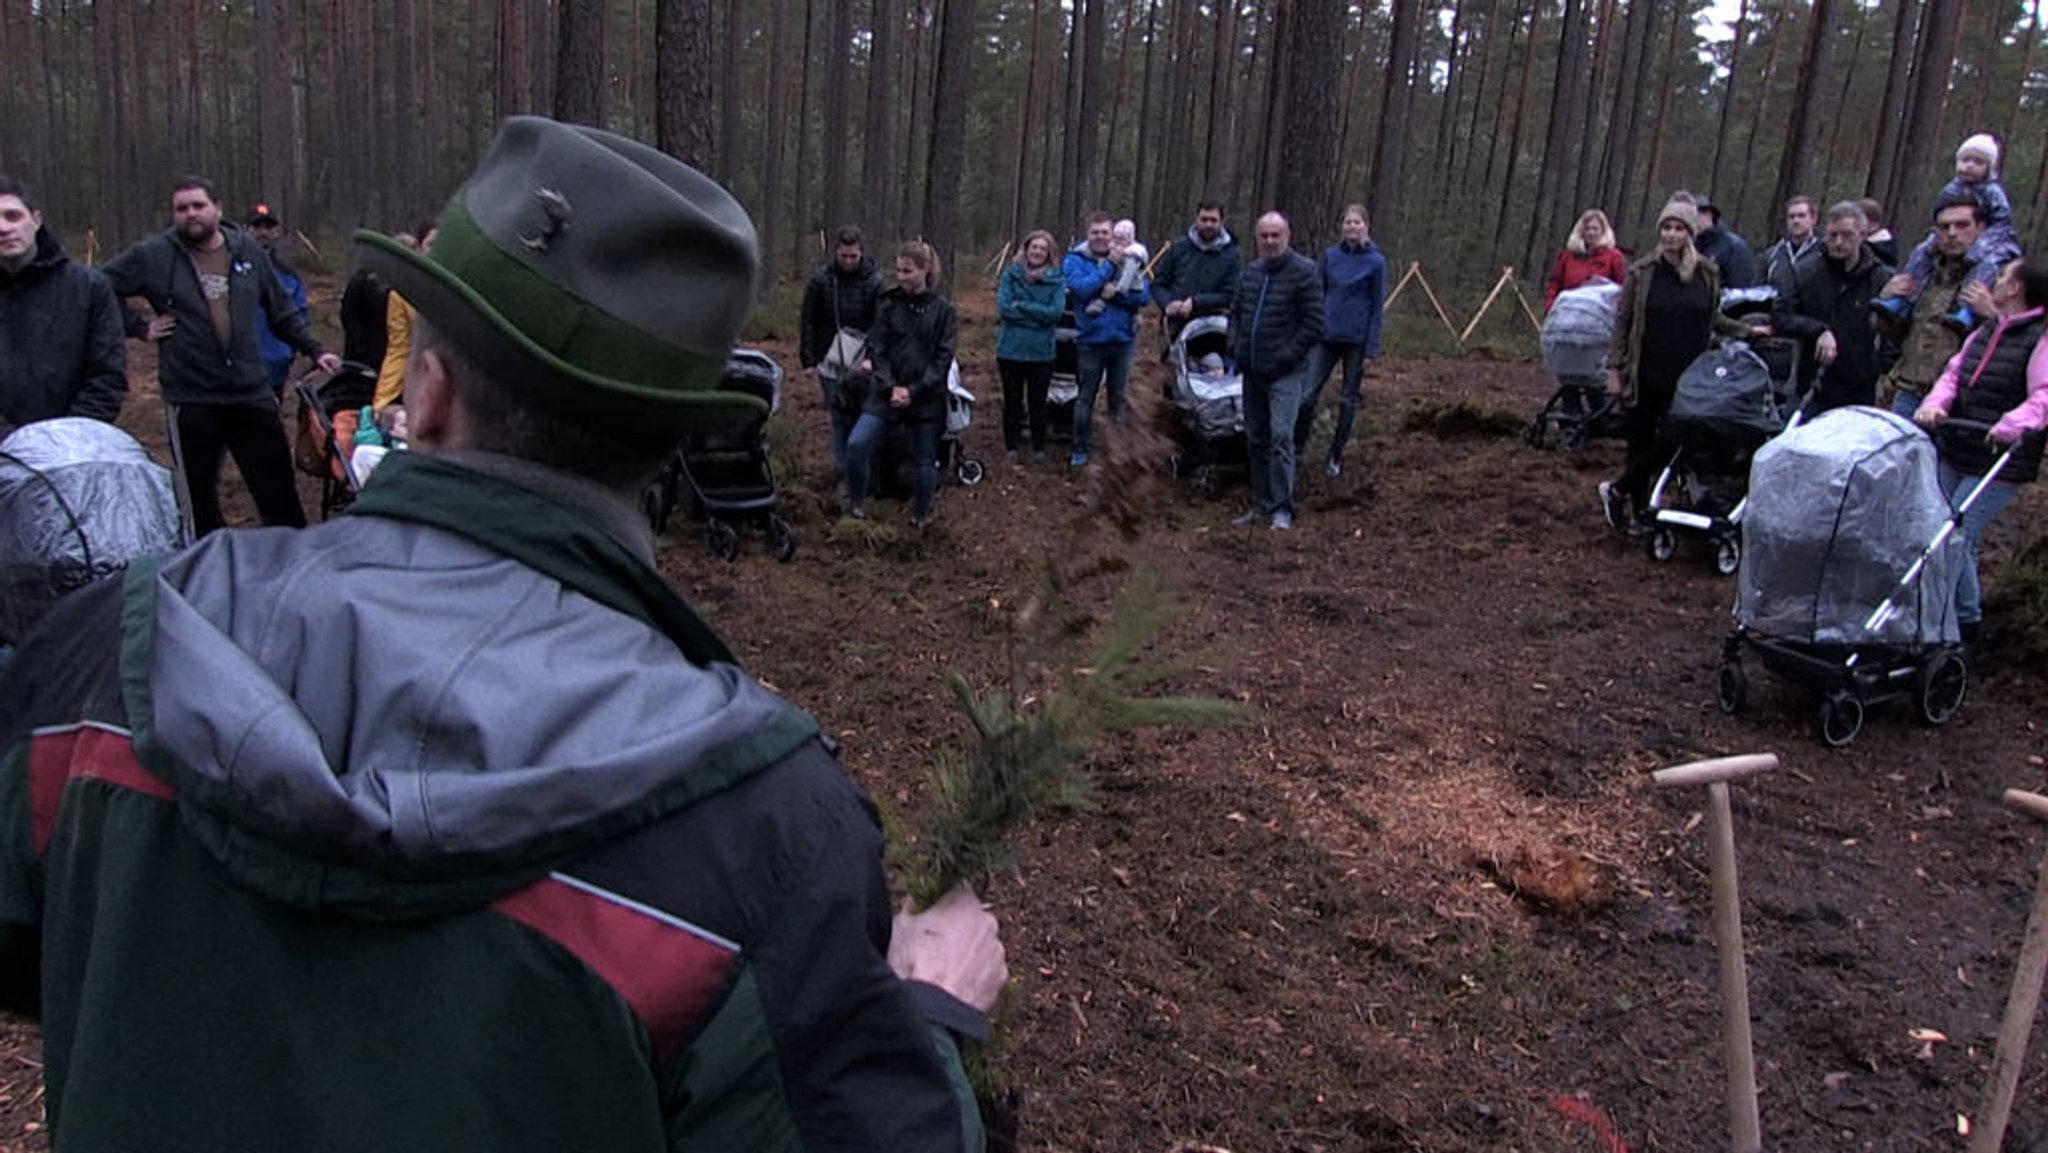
1729	401
79	499
1208	398
1065	387
326	431
726	476
1849	564
1575	339
953	458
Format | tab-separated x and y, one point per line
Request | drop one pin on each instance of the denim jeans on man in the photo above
1270	408
864	444
1093	363
1998	494
1325	356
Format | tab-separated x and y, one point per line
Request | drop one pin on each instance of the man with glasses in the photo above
1926	344
1828	309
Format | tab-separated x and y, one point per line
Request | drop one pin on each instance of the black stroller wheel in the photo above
781	539
970	471
1734	688
1662	544
1943	683
1728	555
1841	718
722	539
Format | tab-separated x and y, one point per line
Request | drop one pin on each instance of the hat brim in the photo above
694	403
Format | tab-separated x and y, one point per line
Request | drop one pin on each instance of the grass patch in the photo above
1463	420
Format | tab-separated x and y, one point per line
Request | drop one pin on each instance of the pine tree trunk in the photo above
1660	129
1806	110
949	130
682	80
1884	157
728	146
774	196
878	149
1921	170
1514	134
1728	87
1306	191
580	88
838	100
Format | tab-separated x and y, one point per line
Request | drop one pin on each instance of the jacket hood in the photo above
447	726
866	269
1223	240
49	253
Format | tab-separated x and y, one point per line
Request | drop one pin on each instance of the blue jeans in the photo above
867	435
1324	357
1969	594
1271	405
1093	363
1905	401
837	424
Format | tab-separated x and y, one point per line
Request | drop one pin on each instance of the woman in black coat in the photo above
910	353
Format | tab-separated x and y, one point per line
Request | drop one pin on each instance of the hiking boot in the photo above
1961	321
1613	505
1283	520
1078	460
1248	516
1896	307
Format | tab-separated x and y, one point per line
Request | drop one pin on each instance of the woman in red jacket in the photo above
1589	253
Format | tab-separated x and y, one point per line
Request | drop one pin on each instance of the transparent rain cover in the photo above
1579	327
78	499
1839	511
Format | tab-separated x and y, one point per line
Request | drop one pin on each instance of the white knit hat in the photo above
1982	144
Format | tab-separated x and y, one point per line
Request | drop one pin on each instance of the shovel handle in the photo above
1717	769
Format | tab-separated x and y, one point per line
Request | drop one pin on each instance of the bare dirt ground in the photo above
1427	900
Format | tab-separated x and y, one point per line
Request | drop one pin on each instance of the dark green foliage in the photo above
2021	608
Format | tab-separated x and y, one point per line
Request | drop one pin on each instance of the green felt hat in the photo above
599	277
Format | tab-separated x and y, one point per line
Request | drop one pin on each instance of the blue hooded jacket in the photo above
1354	295
1086	273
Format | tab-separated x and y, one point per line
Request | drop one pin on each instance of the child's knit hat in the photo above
1982	144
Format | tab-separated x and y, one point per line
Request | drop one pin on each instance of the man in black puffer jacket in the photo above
842	293
1275	320
60	326
1828	309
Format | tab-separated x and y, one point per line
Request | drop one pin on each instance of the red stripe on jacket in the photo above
669	974
56	757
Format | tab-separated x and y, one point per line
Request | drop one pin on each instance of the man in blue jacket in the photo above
1103	340
1276	321
277	355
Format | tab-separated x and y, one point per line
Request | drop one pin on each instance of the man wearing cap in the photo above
450	815
1724	246
277	355
60	326
205	284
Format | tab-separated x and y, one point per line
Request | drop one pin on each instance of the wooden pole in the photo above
2021	1004
1507	277
1745	1130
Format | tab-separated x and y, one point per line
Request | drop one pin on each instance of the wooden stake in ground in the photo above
1414	273
1506	281
1745	1131
2020	1006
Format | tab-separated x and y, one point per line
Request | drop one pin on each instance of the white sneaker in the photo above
1283	520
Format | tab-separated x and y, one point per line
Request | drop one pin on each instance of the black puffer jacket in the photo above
912	345
60	341
1992	381
835	300
1827	295
1277	316
193	367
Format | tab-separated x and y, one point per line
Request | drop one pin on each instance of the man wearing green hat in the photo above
448	824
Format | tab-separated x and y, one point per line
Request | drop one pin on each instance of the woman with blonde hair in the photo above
910	353
1589	252
1029	300
1669	311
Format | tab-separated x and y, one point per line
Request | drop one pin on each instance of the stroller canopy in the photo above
78	499
1839	510
1577	331
1728	392
1207	388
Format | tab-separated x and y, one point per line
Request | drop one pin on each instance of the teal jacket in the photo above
443	826
1030	312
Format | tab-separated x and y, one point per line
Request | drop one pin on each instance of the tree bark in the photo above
1728	87
682	80
1794	162
1661	127
1306	191
1566	131
1219	152
1514	134
580	88
1924	148
1390	150
949	129
878	148
728	145
774	196
1891	118
1089	192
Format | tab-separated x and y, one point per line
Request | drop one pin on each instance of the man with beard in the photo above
205	285
1198	274
1801	219
1828	309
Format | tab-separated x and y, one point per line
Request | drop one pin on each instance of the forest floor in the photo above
1428	898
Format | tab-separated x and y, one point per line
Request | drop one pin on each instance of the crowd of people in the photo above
335	743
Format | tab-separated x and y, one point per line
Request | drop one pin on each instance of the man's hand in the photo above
329	363
1979	299
160	326
1900	285
953	945
899	397
1825	348
1178	308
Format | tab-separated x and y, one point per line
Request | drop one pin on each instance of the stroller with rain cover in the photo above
1575	339
726	477
1208	398
1848	575
79	499
1729	401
